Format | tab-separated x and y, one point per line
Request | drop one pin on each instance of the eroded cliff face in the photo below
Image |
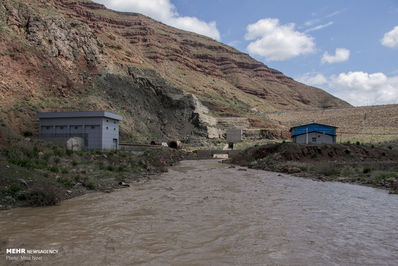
64	55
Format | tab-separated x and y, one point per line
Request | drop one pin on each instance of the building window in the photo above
114	121
107	120
106	128
114	129
313	139
92	127
48	127
76	127
61	127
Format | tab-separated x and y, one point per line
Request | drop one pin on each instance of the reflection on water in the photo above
202	212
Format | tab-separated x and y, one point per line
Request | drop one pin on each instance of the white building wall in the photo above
314	138
110	134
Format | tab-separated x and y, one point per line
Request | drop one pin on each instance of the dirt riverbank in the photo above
352	163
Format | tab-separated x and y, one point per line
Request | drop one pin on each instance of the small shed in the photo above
99	130
313	133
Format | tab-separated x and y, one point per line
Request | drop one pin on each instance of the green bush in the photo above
366	170
13	189
64	170
110	168
53	169
358	143
314	155
74	163
90	186
68	152
66	182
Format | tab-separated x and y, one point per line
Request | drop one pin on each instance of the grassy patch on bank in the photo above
36	173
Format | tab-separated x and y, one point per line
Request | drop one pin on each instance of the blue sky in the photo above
299	38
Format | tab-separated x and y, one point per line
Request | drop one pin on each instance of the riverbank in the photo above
349	163
36	173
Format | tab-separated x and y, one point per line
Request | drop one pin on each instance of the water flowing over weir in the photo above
203	212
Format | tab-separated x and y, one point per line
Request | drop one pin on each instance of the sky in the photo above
348	48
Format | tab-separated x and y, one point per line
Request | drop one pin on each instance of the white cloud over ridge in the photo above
358	88
166	12
390	39
276	42
341	55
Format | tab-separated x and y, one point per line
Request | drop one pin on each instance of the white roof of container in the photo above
79	115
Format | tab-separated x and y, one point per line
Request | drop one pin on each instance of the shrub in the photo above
383	153
110	168
43	195
347	171
27	133
74	163
57	151
65	181
64	170
358	143
390	147
57	160
327	169
13	189
53	169
366	170
120	168
101	165
69	152
90	186
314	155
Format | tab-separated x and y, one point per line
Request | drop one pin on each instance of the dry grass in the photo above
371	124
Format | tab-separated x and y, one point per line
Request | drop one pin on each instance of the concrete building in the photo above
313	133
99	130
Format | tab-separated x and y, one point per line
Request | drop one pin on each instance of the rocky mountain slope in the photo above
77	55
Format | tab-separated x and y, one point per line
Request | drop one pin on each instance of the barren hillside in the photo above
77	55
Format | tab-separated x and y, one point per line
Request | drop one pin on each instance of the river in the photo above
205	213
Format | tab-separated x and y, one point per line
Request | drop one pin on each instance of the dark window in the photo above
48	127
76	127
92	127
106	127
114	121
313	139
61	127
107	120
114	128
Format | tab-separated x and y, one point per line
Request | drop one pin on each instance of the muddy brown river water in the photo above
204	213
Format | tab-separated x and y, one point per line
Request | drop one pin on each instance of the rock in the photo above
23	182
231	166
69	191
242	169
123	184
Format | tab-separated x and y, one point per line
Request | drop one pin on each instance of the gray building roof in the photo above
79	115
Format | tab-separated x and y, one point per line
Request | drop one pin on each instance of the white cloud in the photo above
277	42
341	55
166	12
313	79
358	88
390	39
319	27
